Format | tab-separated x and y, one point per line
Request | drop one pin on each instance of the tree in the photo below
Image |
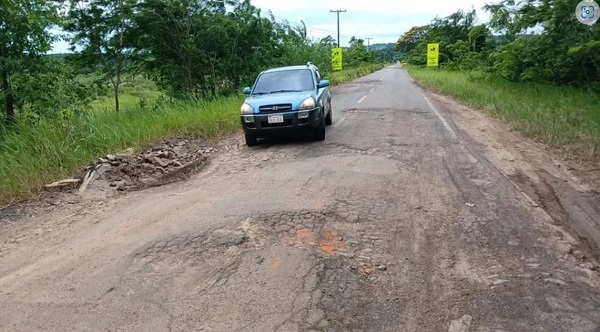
358	54
411	39
559	48
205	48
98	28
24	35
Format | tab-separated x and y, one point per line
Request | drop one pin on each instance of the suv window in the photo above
318	76
285	81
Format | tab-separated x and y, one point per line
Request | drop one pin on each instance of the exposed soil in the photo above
567	189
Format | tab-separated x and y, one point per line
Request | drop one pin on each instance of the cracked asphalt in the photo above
396	222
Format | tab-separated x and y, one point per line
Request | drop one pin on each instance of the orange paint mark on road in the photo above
275	265
319	205
304	233
330	243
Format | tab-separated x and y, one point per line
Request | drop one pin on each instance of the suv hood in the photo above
294	98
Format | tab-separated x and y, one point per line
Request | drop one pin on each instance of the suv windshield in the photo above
284	81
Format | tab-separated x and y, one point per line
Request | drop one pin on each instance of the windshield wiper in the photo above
282	91
261	93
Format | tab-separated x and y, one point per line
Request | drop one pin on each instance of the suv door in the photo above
323	97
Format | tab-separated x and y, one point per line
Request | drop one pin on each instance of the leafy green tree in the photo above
197	48
98	28
358	54
24	36
559	48
202	48
455	34
412	45
411	39
51	88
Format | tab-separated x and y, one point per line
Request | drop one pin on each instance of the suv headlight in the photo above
246	109
308	103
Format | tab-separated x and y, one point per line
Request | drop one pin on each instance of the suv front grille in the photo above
275	108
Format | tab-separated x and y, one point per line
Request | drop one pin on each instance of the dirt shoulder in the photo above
566	189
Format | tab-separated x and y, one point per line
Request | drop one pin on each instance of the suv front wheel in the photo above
319	132
329	118
251	140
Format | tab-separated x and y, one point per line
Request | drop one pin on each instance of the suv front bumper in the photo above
258	124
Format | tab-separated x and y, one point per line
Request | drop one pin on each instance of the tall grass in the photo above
31	156
563	117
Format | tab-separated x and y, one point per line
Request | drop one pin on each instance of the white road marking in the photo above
340	122
373	89
411	79
362	99
472	158
439	115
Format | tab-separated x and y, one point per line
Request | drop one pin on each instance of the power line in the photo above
338	22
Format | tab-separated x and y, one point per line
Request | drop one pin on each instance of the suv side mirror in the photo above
324	84
247	90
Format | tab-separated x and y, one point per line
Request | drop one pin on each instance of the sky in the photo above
383	20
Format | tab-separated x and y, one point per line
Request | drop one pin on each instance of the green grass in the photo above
563	117
134	92
35	155
347	75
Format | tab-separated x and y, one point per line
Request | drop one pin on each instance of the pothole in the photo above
190	248
339	232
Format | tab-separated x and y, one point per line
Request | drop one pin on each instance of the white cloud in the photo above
383	20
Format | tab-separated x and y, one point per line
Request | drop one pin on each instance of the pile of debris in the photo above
166	162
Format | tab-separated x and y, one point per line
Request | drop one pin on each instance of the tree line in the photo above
525	41
189	48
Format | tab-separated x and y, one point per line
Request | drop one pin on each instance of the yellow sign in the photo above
433	55
336	58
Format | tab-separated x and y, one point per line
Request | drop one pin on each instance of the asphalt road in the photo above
394	223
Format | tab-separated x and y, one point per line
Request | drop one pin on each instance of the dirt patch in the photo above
566	189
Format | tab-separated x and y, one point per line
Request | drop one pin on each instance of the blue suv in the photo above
285	99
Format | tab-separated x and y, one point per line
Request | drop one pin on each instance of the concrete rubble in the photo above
168	161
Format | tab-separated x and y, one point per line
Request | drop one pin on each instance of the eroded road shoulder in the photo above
390	224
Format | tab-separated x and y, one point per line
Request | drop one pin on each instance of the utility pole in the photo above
338	21
368	42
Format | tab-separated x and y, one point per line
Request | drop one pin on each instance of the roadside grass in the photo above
347	75
564	117
34	155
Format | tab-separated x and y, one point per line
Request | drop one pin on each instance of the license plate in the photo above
275	118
